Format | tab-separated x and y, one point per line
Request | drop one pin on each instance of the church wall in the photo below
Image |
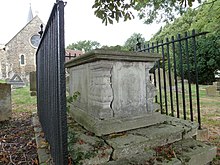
2	64
20	45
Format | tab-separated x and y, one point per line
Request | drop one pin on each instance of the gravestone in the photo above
16	81
33	89
162	78
5	102
217	84
213	90
116	93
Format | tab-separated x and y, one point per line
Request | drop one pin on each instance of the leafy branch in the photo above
151	10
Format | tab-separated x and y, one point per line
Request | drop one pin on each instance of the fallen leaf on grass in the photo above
35	161
80	141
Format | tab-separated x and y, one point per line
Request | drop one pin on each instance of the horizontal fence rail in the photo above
51	95
173	78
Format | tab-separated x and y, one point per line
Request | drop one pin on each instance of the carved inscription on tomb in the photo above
79	83
128	82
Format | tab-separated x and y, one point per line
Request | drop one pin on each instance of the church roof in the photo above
30	15
36	17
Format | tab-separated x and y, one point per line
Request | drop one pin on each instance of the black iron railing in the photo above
175	97
51	94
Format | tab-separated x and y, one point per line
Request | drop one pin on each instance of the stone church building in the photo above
17	56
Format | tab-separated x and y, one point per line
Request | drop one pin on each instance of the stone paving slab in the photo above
186	152
193	152
125	145
103	127
138	140
44	156
147	158
88	149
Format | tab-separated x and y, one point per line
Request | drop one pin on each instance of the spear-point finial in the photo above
41	30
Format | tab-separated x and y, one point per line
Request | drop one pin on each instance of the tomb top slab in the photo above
112	55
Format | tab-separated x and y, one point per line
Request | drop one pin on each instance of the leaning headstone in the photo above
162	78
16	81
5	102
213	89
33	88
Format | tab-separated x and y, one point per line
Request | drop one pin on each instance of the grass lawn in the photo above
2	81
22	101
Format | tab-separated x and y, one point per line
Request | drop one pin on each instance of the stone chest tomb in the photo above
115	91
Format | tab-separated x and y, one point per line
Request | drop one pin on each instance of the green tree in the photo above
130	43
150	10
208	59
205	18
117	47
85	45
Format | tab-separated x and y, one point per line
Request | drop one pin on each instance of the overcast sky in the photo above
80	22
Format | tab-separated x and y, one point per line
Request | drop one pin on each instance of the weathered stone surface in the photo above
93	150
16	81
147	158
112	55
138	140
115	91
5	102
190	128
162	78
103	127
192	152
217	84
33	83
43	152
213	90
67	82
138	146
203	134
187	152
3	62
20	45
129	87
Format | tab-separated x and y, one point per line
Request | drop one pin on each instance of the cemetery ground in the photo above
17	139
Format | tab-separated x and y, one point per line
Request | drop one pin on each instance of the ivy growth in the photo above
71	99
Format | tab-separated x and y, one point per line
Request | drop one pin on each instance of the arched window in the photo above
22	59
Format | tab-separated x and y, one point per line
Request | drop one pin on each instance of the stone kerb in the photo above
115	91
5	102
